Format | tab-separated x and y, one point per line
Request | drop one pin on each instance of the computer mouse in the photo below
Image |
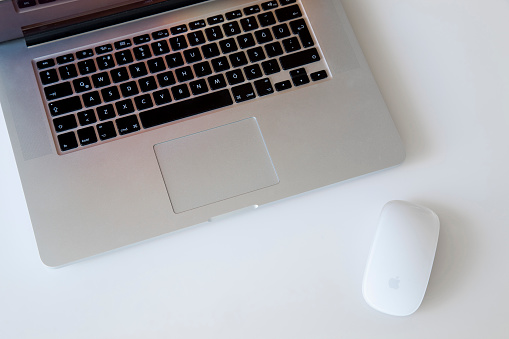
401	258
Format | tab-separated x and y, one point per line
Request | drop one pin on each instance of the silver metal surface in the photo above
105	197
216	164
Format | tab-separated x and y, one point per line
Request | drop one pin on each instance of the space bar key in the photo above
183	109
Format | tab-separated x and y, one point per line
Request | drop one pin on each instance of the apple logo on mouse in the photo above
394	283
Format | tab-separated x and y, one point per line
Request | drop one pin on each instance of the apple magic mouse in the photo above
401	258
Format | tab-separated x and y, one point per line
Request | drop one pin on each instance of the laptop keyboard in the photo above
123	87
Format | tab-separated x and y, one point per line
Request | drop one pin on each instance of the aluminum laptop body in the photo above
98	178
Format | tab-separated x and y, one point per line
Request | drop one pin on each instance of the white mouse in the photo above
401	258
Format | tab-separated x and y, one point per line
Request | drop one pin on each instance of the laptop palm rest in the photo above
216	164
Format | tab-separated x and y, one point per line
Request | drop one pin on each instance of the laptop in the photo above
133	119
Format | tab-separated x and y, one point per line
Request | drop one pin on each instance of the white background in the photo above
293	269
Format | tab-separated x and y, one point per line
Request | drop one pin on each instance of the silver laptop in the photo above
133	119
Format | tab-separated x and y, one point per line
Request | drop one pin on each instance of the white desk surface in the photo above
293	269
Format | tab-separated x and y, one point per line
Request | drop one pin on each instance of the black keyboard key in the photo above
110	94
147	84
87	136
184	74
86	67
263	87
88	53
143	102
160	34
281	31
266	19
298	25
288	13
217	19
269	5
174	60
160	47
106	130
256	54
263	36
249	24
228	45
286	2
299	59
86	117
197	24
156	65
65	106
192	55
162	97
128	124
300	28
124	57
235	77
252	10
105	112
202	69
283	85
129	89
142	52
58	91
233	15
238	59
274	49
270	67
180	92
124	107
253	72
186	108
179	42
320	75
65	123
196	38
299	77
101	79
214	33
178	29
104	49
119	75
246	41
49	76
220	64
82	85
123	44
138	40
199	87
138	70
306	38
243	92
67	141
91	99
232	28
26	3
210	50
291	44
216	81
166	79
67	72
45	64
64	59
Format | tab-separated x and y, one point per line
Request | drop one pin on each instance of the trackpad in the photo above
216	164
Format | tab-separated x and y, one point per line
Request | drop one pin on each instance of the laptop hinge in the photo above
50	31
